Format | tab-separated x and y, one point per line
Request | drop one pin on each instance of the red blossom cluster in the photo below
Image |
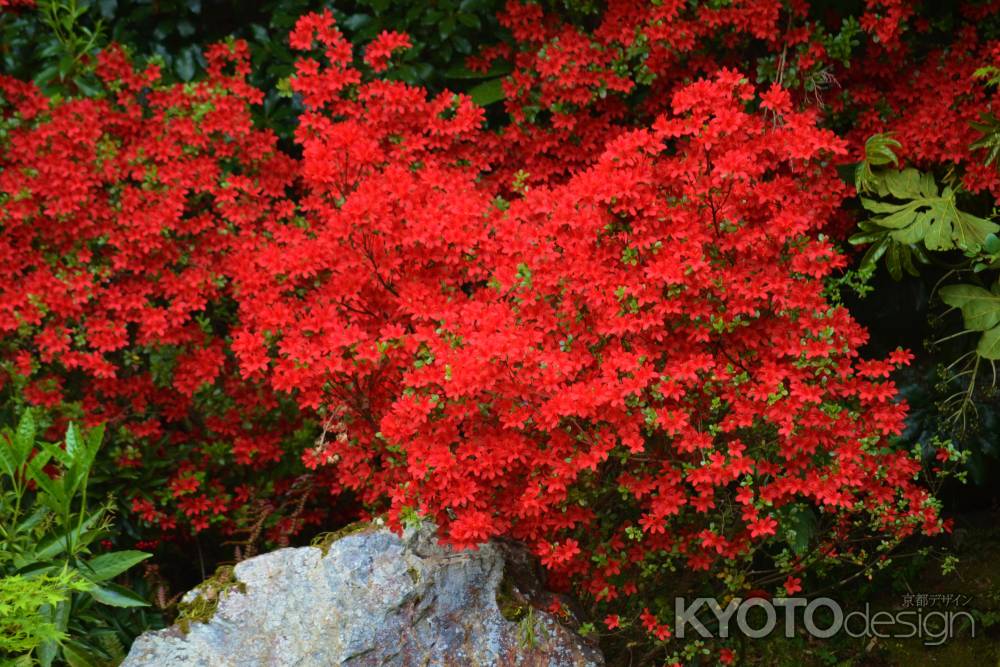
642	346
14	4
600	330
652	328
119	215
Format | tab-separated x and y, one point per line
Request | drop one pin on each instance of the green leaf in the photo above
446	27
926	215
893	262
49	487
25	439
86	87
61	615
977	230
47	652
55	452
878	149
34	519
992	244
989	127
356	21
469	21
901	217
39	570
878	153
56	545
46	75
906	256
23	661
803	522
865	238
980	308
117	596
874	253
487	92
876	206
989	344
906	184
185	65
91	445
77	655
916	231
7	457
74	443
110	565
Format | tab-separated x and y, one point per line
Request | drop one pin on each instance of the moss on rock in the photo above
201	608
512	605
324	540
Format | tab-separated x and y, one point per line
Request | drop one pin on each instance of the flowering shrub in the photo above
600	327
119	214
388	218
630	370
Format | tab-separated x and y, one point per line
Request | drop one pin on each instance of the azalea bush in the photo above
118	308
585	299
634	371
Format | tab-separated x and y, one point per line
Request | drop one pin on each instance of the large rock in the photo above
373	598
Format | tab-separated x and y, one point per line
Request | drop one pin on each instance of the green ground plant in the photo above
58	594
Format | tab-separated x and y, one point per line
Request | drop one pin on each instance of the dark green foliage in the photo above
913	221
51	44
58	598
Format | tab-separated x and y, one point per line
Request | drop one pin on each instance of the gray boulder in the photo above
370	598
